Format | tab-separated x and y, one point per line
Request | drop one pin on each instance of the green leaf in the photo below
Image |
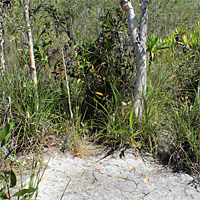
11	125
21	193
3	195
3	189
2	177
121	130
81	66
44	30
4	132
13	179
132	118
134	134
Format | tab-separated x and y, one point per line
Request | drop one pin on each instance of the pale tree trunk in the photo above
2	43
67	140
31	52
138	38
67	83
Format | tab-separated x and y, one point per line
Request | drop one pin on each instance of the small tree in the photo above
138	38
2	39
3	9
31	52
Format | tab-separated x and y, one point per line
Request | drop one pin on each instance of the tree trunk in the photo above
67	83
31	52
2	44
138	39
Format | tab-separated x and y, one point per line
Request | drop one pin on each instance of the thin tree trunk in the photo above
2	44
138	39
67	140
31	52
67	83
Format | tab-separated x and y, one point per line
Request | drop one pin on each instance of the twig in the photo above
146	194
111	152
67	82
125	178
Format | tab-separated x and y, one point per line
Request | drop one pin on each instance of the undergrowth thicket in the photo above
102	69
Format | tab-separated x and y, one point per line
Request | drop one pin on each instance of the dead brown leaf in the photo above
134	166
44	177
146	179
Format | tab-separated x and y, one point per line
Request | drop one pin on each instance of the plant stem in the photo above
67	83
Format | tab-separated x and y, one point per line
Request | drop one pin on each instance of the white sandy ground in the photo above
112	179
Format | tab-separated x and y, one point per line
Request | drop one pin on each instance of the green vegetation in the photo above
8	177
102	69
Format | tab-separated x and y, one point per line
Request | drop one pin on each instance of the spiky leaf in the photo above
24	191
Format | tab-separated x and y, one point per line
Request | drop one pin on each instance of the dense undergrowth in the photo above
101	66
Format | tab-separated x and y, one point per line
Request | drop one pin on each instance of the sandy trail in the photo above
112	178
